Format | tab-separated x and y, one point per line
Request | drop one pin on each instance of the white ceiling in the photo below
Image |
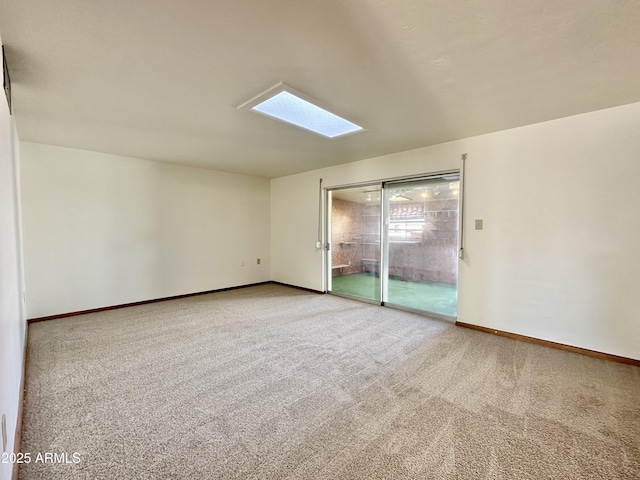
161	79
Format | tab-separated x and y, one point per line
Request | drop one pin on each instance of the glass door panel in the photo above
354	247
421	231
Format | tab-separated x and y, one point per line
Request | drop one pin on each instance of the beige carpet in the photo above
270	382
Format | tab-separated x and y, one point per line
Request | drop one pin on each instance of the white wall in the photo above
103	230
12	319
558	256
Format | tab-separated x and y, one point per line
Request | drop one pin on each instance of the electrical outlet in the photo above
242	263
258	262
479	224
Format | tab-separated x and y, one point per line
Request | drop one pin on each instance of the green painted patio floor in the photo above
432	296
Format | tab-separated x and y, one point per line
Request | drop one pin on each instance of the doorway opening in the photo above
396	243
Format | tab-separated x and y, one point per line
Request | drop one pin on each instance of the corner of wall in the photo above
12	309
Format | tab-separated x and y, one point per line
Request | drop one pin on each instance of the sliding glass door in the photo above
354	246
396	243
421	244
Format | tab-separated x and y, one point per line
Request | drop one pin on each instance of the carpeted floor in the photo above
435	297
270	382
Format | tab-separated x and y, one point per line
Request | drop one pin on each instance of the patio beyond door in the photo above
396	243
354	247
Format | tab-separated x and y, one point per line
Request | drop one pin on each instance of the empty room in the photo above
337	239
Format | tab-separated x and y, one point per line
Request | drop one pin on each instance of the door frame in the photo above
384	244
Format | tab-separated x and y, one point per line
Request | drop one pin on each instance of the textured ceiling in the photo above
161	79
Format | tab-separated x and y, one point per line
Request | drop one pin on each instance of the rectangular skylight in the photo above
282	104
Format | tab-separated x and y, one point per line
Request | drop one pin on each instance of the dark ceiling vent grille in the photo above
6	81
